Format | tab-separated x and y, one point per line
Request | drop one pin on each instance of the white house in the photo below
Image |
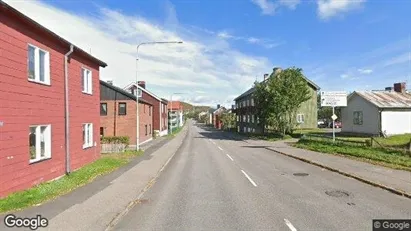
378	112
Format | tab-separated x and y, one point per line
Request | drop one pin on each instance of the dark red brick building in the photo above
160	115
118	114
44	133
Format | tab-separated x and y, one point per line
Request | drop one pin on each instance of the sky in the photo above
341	45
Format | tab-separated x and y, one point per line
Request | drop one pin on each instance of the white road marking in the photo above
251	180
219	148
230	157
291	226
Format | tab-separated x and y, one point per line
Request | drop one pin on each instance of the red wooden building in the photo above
49	104
160	115
118	114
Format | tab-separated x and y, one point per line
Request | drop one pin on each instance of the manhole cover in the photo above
300	174
337	193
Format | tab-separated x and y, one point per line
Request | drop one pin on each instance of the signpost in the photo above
333	99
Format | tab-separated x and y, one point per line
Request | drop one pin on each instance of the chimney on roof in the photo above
218	106
400	87
265	76
110	82
389	89
277	70
142	84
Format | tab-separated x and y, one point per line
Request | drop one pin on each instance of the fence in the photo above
113	148
371	142
337	140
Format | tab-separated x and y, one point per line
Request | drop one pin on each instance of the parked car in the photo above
337	124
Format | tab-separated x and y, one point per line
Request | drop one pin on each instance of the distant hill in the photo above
189	107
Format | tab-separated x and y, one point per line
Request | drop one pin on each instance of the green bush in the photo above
115	140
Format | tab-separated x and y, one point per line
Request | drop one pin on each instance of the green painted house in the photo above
245	110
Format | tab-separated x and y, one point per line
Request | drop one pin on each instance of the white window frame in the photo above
252	118
300	118
88	128
37	65
47	138
238	118
87	81
252	101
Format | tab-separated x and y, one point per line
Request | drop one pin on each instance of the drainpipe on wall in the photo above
66	105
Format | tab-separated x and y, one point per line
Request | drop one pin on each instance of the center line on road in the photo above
219	148
230	157
291	226
251	180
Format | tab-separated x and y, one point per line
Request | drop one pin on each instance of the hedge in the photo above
115	140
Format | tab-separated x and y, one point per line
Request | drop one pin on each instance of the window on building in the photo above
300	118
86	81
238	118
103	109
244	118
149	110
244	129
252	118
258	120
122	109
146	128
39	142
358	117
252	101
144	108
38	65
87	135
248	118
101	131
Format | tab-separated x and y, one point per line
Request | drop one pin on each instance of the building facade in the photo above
176	117
160	114
378	112
246	111
118	114
44	132
217	122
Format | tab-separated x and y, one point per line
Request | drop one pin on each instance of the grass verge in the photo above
268	136
52	189
387	158
175	132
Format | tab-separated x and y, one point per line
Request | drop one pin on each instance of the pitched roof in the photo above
386	99
145	90
122	91
4	7
251	90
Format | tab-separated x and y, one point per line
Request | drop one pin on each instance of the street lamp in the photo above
171	108
138	116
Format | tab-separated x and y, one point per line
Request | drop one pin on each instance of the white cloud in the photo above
292	4
365	71
204	62
267	7
399	59
224	35
253	40
344	76
329	8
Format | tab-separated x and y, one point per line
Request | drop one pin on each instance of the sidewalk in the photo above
396	181
97	210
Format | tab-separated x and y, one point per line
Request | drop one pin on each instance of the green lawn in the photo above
388	158
175	132
397	140
267	136
49	190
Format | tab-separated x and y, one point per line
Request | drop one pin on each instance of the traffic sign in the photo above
333	99
334	117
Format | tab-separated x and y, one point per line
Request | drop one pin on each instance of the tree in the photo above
228	120
279	98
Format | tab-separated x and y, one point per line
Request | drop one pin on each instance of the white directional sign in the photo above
333	99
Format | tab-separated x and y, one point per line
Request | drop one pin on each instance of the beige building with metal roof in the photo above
378	112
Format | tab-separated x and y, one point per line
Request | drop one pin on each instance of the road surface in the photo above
218	183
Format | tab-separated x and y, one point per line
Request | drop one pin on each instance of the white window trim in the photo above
89	80
300	118
36	79
88	132
252	118
47	154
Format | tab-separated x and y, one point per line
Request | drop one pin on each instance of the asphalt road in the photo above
218	183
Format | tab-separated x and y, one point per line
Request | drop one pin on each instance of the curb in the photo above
149	184
387	188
